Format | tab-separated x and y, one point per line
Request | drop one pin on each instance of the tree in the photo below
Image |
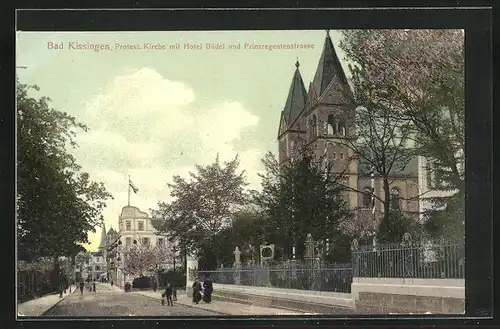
247	232
449	222
300	198
203	205
57	205
140	259
419	74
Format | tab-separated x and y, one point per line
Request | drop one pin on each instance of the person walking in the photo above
196	291
174	292
82	285
207	289
111	283
93	286
168	294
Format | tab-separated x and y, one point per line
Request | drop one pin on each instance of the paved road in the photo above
105	302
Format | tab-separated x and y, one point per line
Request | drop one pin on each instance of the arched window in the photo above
342	128
367	197
331	124
314	126
395	202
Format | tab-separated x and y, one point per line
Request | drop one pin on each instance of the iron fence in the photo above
411	259
317	277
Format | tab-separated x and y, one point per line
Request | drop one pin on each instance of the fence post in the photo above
407	255
237	265
354	258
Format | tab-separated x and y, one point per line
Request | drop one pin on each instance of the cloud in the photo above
147	126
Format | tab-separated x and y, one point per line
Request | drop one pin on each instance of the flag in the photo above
135	189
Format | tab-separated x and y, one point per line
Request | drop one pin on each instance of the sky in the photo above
156	113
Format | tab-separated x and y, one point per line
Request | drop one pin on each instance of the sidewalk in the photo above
38	306
223	308
108	286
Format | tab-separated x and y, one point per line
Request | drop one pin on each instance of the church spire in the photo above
296	97
102	245
328	67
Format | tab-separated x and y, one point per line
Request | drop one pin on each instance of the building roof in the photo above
296	99
328	67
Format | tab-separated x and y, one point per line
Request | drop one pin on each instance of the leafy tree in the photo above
139	259
419	74
203	205
301	197
449	222
382	143
417	78
393	227
247	232
56	204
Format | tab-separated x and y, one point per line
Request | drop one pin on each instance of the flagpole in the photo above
129	190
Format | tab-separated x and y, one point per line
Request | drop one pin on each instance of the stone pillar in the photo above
237	265
191	272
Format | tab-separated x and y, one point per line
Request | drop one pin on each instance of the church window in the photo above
341	156
367	197
314	126
395	201
341	127
331	124
334	156
128	226
141	226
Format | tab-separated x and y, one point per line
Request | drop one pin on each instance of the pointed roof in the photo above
296	99
328	67
102	245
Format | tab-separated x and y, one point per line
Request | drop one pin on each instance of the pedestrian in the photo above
207	289
93	286
174	292
81	287
196	291
168	294
111	283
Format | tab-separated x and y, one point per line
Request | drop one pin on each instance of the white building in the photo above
136	226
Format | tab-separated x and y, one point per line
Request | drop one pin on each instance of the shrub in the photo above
141	282
177	278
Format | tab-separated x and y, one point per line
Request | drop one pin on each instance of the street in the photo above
112	302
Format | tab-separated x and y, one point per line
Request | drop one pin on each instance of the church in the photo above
322	118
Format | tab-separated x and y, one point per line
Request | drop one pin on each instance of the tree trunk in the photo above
387	197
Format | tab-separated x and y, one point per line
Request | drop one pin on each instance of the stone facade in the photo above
323	119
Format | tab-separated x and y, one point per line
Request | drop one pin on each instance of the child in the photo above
168	294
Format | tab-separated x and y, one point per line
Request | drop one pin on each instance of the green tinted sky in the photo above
156	113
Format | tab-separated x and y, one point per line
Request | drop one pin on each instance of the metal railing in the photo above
332	277
411	259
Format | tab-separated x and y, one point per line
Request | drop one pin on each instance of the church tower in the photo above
290	131
330	117
323	118
103	243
